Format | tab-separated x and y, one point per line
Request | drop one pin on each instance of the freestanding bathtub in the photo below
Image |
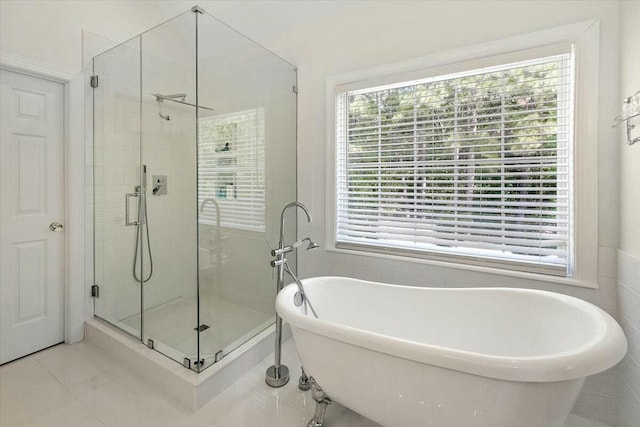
411	356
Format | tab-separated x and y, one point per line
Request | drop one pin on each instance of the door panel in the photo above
31	183
31	281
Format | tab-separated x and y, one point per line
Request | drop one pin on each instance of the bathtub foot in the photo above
322	401
303	382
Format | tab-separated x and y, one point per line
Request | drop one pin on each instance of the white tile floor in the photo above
77	386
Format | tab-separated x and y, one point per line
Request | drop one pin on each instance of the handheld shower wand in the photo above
143	219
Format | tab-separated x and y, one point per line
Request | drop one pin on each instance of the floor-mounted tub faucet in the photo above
278	374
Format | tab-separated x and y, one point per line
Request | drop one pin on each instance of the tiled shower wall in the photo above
629	318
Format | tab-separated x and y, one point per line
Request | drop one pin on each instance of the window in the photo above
472	167
231	169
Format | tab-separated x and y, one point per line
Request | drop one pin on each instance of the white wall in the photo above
366	34
378	33
629	156
51	31
629	254
384	32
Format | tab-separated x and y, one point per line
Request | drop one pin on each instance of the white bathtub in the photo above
410	356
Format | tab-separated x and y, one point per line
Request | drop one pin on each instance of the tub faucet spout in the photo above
283	215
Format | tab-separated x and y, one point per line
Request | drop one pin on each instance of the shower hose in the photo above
142	220
307	301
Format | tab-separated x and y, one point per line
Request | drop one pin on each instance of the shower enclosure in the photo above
194	157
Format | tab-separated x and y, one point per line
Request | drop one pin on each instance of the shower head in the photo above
180	96
311	245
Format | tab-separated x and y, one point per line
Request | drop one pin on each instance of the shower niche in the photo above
198	106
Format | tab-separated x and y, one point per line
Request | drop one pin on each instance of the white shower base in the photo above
188	387
172	324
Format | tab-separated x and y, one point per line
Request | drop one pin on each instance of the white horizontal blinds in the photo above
231	168
473	165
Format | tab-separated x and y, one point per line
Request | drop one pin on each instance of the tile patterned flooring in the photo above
78	386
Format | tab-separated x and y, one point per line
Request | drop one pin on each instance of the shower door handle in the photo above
127	197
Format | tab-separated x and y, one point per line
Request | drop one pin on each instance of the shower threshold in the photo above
186	386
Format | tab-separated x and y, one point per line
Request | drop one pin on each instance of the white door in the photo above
31	199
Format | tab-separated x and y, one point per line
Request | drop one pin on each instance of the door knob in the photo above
56	226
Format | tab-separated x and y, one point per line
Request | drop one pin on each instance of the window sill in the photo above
479	269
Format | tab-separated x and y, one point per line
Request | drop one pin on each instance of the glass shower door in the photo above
168	98
246	174
194	158
116	168
145	231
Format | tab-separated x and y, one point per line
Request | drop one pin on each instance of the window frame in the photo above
584	37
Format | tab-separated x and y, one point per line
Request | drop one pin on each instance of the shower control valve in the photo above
159	185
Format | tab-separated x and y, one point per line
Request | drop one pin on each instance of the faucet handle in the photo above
278	262
278	252
282	251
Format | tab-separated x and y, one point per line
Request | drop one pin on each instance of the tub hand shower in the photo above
301	296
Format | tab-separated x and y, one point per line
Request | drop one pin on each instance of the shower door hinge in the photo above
95	291
193	364
295	89
94	81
